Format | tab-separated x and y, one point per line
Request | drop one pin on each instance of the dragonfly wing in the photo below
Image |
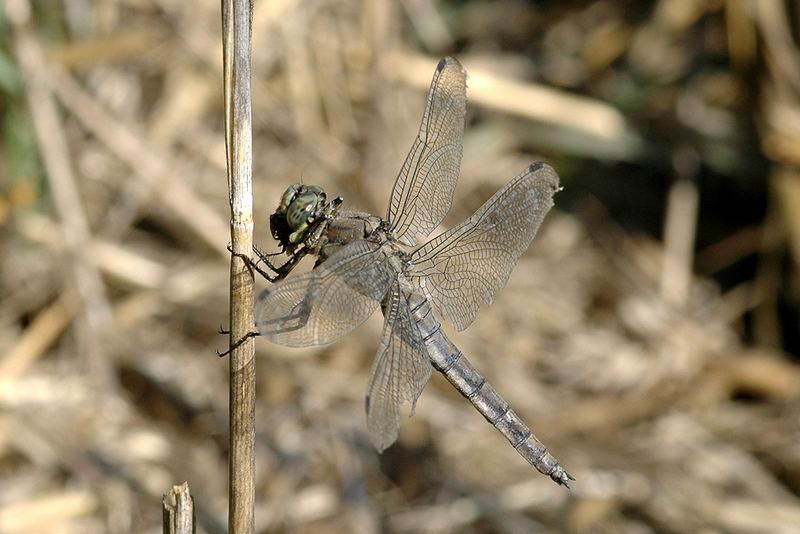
323	305
423	191
401	370
462	268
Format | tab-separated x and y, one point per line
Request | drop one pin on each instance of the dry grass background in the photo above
672	396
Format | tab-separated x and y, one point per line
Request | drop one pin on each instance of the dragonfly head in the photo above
296	212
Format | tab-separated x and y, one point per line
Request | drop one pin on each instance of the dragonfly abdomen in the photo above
451	362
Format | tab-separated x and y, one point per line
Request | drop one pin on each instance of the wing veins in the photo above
460	269
422	193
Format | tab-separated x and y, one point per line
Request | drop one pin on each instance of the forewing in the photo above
462	268
423	191
323	305
400	372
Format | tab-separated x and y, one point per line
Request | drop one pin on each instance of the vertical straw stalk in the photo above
236	32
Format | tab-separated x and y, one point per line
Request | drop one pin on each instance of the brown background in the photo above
649	336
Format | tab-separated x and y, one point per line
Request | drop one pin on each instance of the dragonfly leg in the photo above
253	265
264	258
281	271
236	344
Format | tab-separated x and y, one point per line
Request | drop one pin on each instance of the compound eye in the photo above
301	209
317	190
288	197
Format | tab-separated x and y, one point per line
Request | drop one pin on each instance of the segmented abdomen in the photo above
450	361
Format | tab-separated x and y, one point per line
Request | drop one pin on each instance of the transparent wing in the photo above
423	191
400	372
323	305
462	268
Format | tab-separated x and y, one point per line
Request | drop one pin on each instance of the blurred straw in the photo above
779	122
579	115
679	231
783	56
742	39
300	75
53	147
157	282
154	169
332	73
428	23
748	515
113	48
39	336
45	513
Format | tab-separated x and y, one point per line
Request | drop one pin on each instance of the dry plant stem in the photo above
177	507
236	30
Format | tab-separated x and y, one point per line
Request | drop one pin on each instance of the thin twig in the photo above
236	31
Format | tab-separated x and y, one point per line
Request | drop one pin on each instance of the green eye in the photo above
301	209
317	190
288	197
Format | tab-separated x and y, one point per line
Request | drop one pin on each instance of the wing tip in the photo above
381	438
549	173
450	60
535	166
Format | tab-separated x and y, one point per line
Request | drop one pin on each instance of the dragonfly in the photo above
365	261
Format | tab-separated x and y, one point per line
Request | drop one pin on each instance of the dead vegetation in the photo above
649	336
